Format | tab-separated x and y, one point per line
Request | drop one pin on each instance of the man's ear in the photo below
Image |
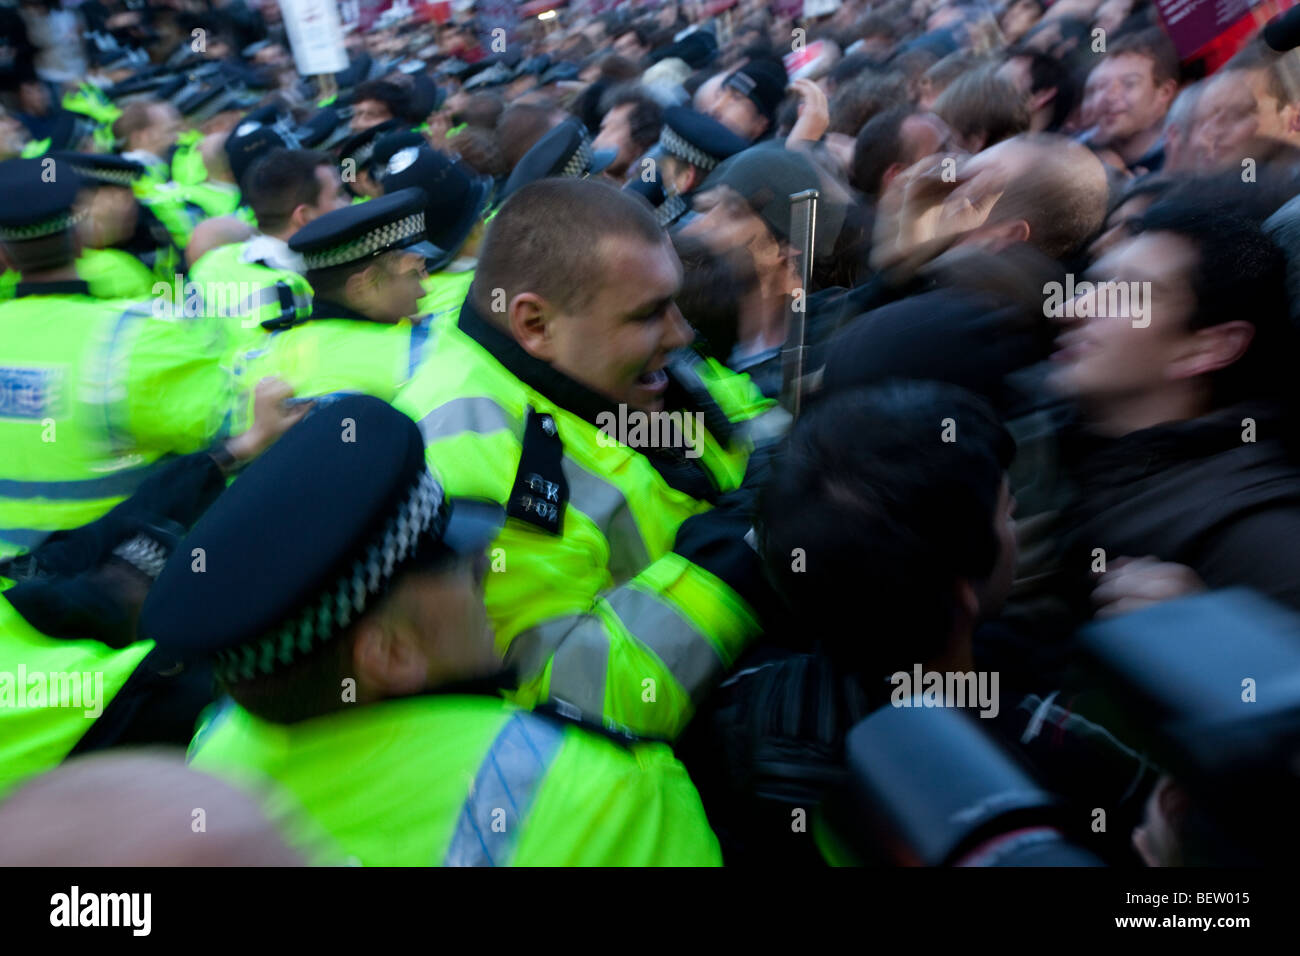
529	317
300	216
1213	348
967	603
1166	92
889	175
359	283
1040	99
387	663
999	235
692	179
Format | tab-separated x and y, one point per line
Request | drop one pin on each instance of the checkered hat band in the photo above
579	162
341	604
675	145
388	235
39	230
670	210
114	177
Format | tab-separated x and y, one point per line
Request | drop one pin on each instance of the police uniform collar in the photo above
58	287
327	309
684	474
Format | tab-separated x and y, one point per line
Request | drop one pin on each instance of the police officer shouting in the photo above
620	594
362	670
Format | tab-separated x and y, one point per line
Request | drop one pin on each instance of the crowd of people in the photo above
489	454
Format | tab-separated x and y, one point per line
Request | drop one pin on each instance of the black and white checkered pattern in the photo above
579	163
113	177
348	599
39	230
674	144
387	236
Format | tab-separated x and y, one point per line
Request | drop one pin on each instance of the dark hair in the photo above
714	285
479	149
394	98
1155	46
547	239
1047	73
519	128
280	182
482	110
644	120
874	518
1241	274
878	146
855	103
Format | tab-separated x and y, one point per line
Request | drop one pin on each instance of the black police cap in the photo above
260	132
49	191
360	146
457	196
698	139
565	151
357	233
101	168
311	537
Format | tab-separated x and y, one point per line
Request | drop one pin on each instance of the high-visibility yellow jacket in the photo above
336	350
51	692
462	780
602	617
94	394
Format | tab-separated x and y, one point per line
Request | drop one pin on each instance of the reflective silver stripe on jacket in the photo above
580	645
504	788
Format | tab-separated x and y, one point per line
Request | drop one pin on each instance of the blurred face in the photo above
627	46
738	113
1120	225
1018	18
109	216
1235	107
369	113
332	196
616	133
389	290
619	343
1128	100
164	127
449	608
1106	360
726	222
923	135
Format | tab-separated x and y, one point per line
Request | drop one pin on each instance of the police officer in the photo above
565	151
362	676
365	264
548	398
74	602
126	249
263	277
95	392
691	145
453	219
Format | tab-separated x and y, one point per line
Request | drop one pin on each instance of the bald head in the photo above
136	808
1053	184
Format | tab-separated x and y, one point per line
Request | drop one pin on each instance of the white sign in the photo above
315	35
819	8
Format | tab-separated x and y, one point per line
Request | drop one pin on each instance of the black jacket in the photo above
1192	492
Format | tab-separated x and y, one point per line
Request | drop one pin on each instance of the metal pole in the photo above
803	229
